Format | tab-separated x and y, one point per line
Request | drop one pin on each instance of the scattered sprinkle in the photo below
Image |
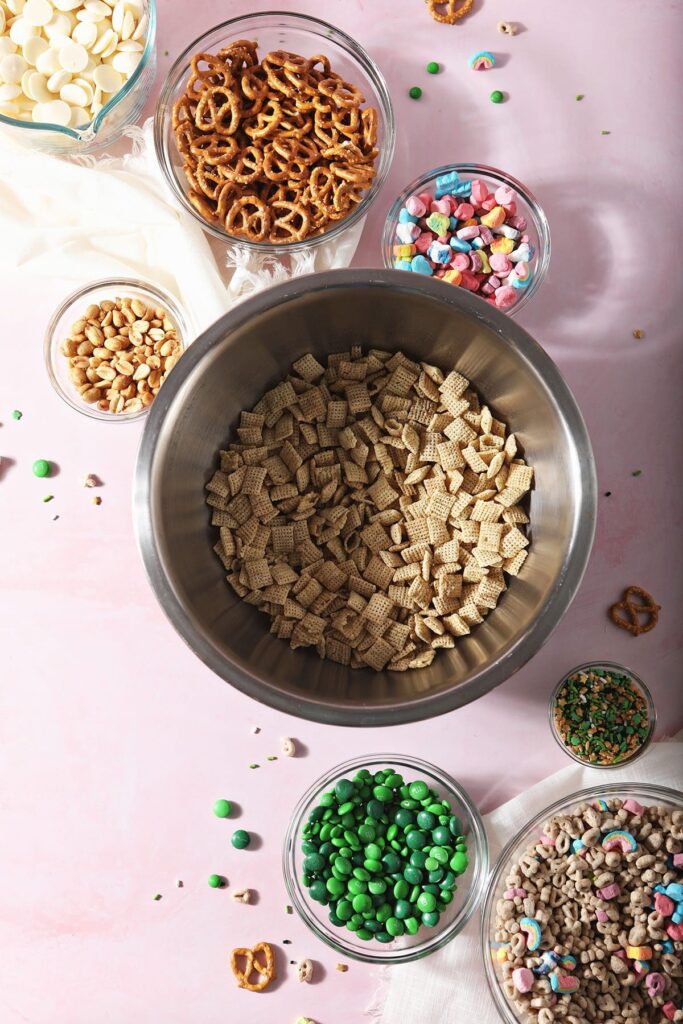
607	494
415	92
54	517
286	942
271	757
342	967
603	132
165	53
97	500
253	766
433	67
496	96
255	729
179	883
17	414
157	896
636	472
48	497
579	96
292	961
638	333
90	480
288	909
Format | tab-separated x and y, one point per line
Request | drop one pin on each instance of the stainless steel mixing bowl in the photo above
246	352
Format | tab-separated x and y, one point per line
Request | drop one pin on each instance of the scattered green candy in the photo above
605	133
271	757
48	497
415	92
215	881
157	896
637	472
496	96
240	839
41	468
17	414
579	96
253	766
433	67
222	808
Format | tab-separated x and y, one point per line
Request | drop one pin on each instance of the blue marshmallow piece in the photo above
406	218
464	188
402	265
440	252
421	265
675	891
667	946
460	245
446	184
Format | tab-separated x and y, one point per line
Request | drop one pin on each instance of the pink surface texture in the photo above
115	740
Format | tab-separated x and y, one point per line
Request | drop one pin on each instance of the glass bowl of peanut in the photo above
110	346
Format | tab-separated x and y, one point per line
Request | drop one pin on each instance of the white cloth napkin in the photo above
450	986
101	216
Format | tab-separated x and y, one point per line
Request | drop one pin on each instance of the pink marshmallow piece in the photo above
608	892
500	263
505	297
466	233
523	979
407	232
488	204
664	905
494	281
479	191
423	242
460	261
415	207
487	289
621	953
522	270
504	195
675	932
464	211
510	894
547	840
678	860
602	915
427	198
510	208
441	206
517	222
469	281
633	807
486	235
669	1010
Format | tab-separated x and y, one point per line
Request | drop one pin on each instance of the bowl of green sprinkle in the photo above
385	858
602	715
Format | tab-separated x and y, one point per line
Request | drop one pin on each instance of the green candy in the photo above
344	790
496	96
413	875
418	859
427	820
342	866
426	902
393	781
335	886
401	889
362	902
222	808
216	881
459	862
441	836
314	862
418	790
366	833
416	840
404	817
382	793
430	918
395	926
402	909
240	839
375	809
377	886
415	92
344	910
433	67
412	925
41	468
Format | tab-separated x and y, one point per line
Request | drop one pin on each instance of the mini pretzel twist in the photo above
265	972
633	609
448	11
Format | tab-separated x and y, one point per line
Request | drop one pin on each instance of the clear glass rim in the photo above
178	70
477	883
90	290
614	667
503	178
611	789
92	127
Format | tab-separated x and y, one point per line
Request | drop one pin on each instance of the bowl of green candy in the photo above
385	858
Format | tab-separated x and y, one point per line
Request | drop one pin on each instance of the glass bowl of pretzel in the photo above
275	131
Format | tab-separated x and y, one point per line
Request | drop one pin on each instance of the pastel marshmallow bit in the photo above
438	222
510	208
609	892
407	232
478	242
464	211
563	983
440	253
677	916
403	252
502	265
504	245
402	265
487	288
501	953
469	232
655	984
461	260
667	946
677	860
619	839
523	979
568	962
641	967
426	198
479	191
518	222
482	61
549	961
446	182
441	206
633	807
664	905
421	265
530	925
463	188
505	297
674	891
639	952
488	204
476	262
600	805
547	840
494	281
522	252
669	1010
404	216
504	195
424	241
494	218
470	282
453	276
485	265
601	915
506	230
415	207
675	932
486	235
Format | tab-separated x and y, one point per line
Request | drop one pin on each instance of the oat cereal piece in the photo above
371	507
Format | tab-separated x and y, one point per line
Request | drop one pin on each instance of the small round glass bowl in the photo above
644	793
607	666
72	309
467	895
297	33
107	126
528	207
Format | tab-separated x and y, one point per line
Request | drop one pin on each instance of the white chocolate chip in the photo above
33	48
38	12
85	33
73	57
20	31
56	82
16	6
126	63
12	68
60	27
9	93
58	112
7	46
79	117
107	79
36	88
74	95
48	62
9	109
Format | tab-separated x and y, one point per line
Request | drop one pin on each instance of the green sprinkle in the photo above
433	67
496	96
271	757
637	472
288	909
48	497
603	132
415	92
253	766
579	96
597	713
157	896
17	414
41	468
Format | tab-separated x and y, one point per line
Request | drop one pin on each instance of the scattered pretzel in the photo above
277	150
629	620
448	11
265	971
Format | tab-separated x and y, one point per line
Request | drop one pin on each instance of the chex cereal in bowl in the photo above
347	509
472	227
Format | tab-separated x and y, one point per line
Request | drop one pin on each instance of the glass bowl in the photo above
466	896
72	309
107	126
609	666
528	207
296	33
642	792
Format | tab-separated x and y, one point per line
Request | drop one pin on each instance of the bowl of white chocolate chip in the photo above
74	73
582	919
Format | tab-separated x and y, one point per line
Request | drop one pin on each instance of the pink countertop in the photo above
115	740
